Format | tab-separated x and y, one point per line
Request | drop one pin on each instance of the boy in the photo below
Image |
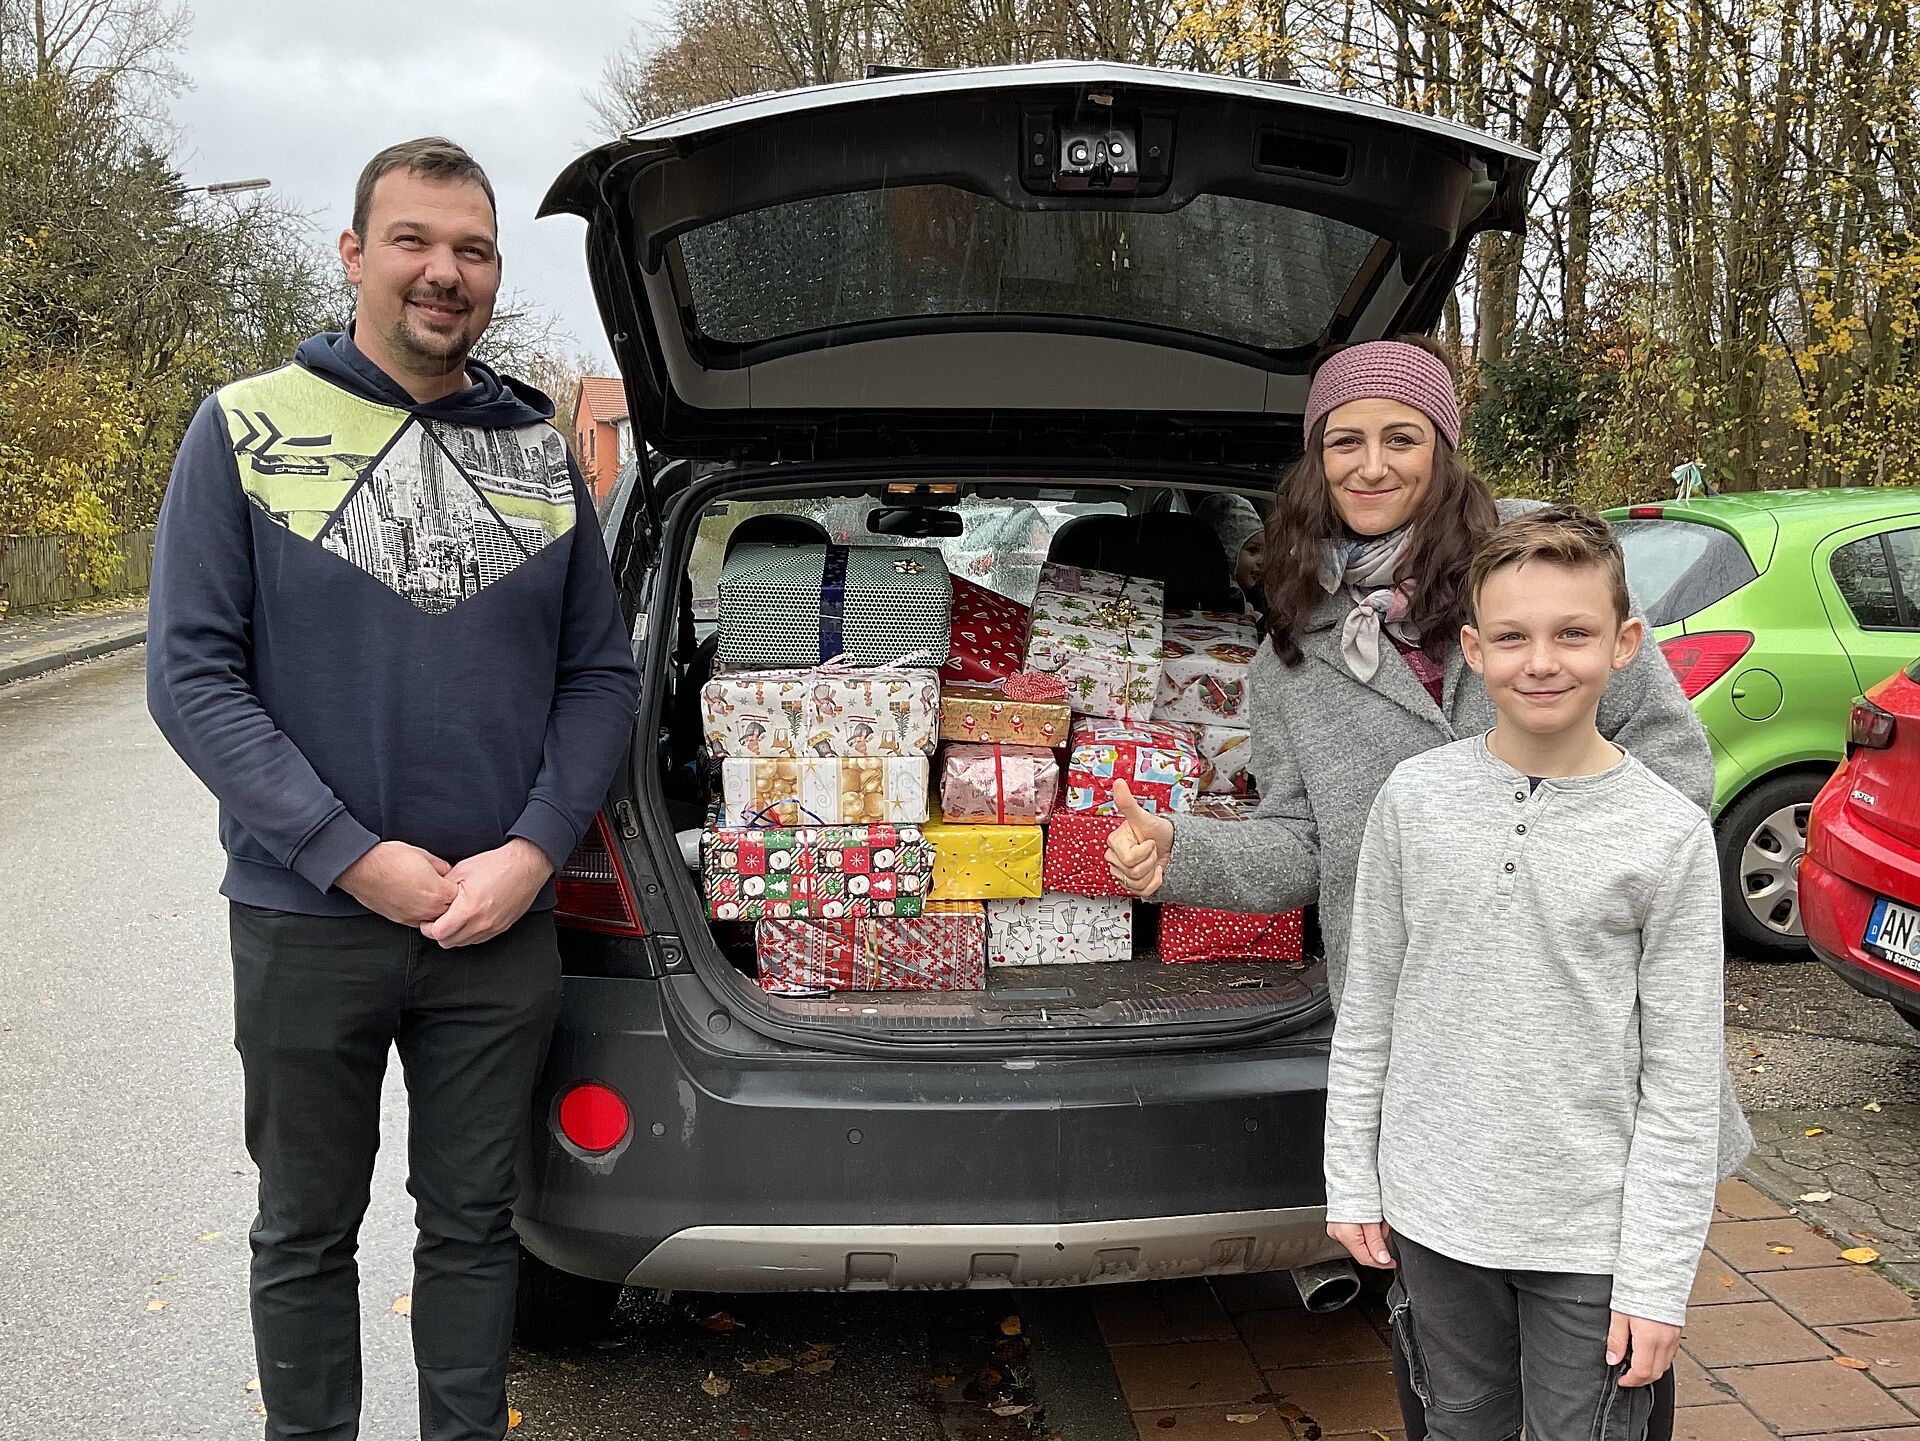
1523	1094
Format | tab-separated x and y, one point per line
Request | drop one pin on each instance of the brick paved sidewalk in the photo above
1237	1359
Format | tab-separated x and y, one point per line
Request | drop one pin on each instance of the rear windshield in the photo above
1002	545
1240	270
1677	568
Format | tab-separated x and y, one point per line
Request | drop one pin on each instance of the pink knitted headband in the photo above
1387	370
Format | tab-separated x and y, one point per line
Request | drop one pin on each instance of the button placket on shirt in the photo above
1510	867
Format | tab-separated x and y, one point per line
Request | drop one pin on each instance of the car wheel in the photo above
1761	838
555	1310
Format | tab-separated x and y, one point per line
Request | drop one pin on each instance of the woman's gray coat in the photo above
1324	742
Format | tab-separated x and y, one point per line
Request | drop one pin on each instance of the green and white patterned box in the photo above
1100	634
799	605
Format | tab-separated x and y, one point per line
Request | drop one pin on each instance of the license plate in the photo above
1893	930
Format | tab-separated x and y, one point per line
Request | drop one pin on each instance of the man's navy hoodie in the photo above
373	619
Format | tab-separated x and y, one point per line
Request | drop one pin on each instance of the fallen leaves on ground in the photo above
1860	1255
715	1387
1814	1131
1781	1250
1816	1196
156	1305
1852	1363
817	1368
208	1236
514	1418
403	1305
1243	1418
1726	1281
1010	1326
1873	1106
767	1366
1010	1410
943	1382
718	1321
254	1384
1166	1423
743	1432
818	1351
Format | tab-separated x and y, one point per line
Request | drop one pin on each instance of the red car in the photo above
1860	878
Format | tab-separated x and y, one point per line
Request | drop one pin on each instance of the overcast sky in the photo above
305	94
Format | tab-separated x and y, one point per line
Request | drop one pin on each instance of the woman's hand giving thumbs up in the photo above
1137	851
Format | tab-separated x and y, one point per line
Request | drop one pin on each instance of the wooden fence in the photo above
33	570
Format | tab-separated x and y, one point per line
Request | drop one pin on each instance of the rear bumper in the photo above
1845	869
983	1256
767	1167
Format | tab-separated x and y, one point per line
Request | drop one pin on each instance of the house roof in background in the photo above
605	397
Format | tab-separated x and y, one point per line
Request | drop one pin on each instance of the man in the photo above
383	632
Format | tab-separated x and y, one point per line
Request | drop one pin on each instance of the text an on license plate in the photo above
1894	930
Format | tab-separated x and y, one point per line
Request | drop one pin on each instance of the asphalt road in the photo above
127	1193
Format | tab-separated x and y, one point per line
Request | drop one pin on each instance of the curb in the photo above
99	645
1904	1274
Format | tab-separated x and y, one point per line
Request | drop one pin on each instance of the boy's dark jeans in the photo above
318	1000
1485	1352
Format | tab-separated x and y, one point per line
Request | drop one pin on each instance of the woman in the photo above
1366	554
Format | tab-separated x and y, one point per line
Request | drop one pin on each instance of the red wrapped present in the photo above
1194	933
942	949
1076	855
1160	763
989	634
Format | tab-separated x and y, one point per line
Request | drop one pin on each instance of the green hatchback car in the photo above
1776	609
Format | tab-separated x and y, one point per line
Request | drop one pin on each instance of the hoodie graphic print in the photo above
434	511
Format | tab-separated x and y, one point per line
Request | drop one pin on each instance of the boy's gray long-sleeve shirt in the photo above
1525	1072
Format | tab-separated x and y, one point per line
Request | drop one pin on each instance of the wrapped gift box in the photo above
1194	933
975	712
1100	634
823	790
1225	808
798	605
1160	764
1203	668
1225	754
827	711
1076	857
1059	930
989	634
979	863
998	785
941	949
826	871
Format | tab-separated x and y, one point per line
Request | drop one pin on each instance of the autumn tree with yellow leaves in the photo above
1723	259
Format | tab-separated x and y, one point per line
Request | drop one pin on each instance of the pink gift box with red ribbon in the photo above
999	785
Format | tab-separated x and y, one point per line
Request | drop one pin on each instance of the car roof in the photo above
1811	508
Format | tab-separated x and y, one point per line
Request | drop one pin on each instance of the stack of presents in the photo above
915	774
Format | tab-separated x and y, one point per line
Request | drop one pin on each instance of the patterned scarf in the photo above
1365	568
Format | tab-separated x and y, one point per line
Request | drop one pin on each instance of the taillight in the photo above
589	892
1645	512
593	1117
1869	726
1700	660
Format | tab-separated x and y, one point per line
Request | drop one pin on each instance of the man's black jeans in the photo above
317	1003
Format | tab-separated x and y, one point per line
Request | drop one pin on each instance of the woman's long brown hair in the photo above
1456	513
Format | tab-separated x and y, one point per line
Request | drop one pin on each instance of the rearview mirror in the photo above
917	521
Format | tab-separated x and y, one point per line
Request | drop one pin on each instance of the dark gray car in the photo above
1000	311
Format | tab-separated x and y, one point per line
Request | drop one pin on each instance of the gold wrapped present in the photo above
824	790
983	863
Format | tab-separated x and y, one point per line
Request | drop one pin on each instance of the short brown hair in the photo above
433	156
1562	534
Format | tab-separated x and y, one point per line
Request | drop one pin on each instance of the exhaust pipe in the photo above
1326	1285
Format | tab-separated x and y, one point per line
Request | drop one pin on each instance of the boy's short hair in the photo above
1563	534
433	156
